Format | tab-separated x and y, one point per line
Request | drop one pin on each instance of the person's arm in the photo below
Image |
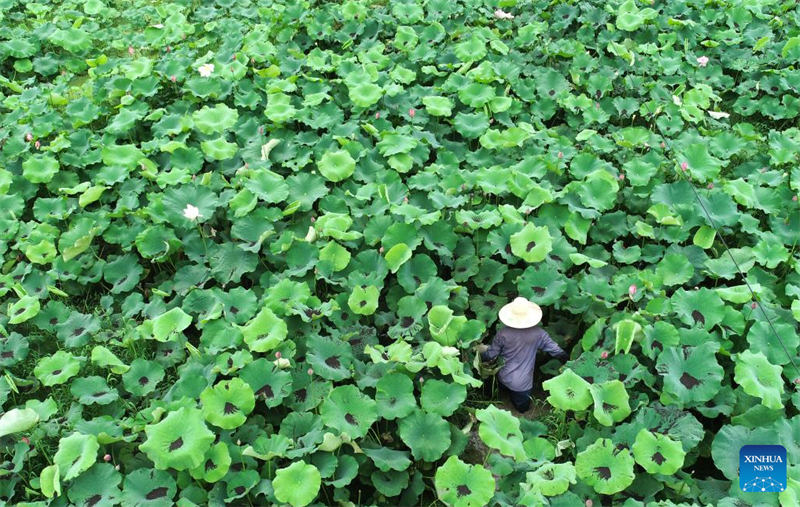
494	350
548	345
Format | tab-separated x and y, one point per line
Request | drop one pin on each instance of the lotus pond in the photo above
247	249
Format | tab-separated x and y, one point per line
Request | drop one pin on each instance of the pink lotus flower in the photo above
684	166
604	355
411	112
702	61
632	290
501	14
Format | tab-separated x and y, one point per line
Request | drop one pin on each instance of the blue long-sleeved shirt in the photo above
518	348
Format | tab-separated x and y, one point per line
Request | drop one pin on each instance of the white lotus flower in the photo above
206	69
718	114
191	212
501	14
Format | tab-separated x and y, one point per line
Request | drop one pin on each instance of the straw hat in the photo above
520	313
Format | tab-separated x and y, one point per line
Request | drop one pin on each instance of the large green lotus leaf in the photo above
471	126
219	149
388	459
364	300
217	462
147	486
762	339
769	251
760	378
532	243
626	331
349	410
394	394
228	403
443	398
598	190
25	309
76	453
630	17
568	391
610	402
426	434
298	484
701	307
397	256
552	479
704	237
17	420
57	369
265	331
143	377
657	453
463	485
331	358
40	168
365	94
72	39
179	441
675	269
604	467
499	430
279	107
93	390
213	120
390	483
471	49
123	155
393	143
691	375
476	95
437	105
701	164
336	165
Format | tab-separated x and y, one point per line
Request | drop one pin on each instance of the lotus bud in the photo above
37	145
26	440
173	78
797	380
311	235
663	145
710	186
491	121
684	166
282	363
278	354
313	219
310	371
29	137
116	468
377	116
233	57
411	112
169	49
632	290
405	199
380	250
794	198
560	154
621	176
107	458
238	442
589	502
130	50
449	351
753	305
604	355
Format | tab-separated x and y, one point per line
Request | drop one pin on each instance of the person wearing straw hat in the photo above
518	342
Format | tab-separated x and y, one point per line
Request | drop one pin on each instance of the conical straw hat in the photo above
520	313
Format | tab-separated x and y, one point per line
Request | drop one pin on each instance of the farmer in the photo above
517	342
